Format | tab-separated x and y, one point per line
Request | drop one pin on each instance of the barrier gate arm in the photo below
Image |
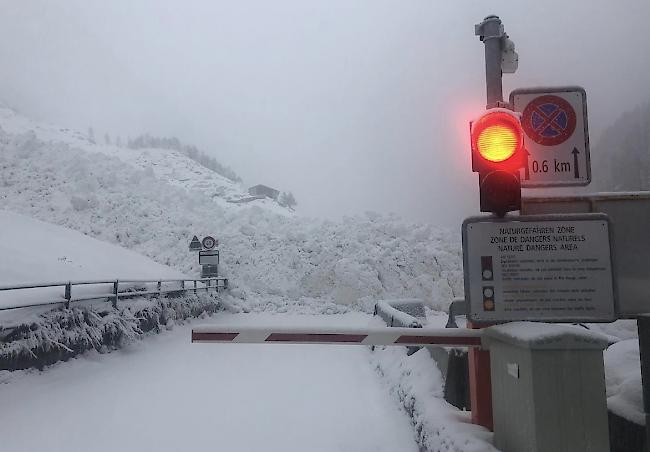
333	335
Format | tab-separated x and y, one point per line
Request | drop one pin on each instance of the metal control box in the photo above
548	388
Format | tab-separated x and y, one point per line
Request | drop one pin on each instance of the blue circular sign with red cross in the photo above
549	120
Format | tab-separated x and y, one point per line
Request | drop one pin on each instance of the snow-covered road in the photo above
166	394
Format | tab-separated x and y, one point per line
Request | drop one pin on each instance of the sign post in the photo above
208	256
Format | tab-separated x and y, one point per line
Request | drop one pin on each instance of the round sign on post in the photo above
549	120
208	242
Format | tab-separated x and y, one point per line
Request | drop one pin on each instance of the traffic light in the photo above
497	155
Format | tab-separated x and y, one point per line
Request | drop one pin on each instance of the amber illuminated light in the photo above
497	143
497	136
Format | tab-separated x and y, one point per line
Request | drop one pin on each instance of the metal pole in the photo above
643	325
491	33
68	294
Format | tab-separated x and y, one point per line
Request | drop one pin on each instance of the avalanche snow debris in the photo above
151	201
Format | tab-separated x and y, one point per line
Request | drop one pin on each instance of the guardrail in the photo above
134	288
407	313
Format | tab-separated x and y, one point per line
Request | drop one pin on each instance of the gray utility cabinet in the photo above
548	388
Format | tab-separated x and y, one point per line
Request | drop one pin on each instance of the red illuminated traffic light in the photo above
497	155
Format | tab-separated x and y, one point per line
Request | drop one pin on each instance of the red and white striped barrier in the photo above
331	335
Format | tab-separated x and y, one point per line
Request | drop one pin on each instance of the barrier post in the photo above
68	294
115	287
480	385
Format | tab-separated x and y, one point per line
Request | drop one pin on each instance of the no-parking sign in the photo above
556	136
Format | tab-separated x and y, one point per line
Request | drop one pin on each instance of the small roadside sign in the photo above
556	136
195	245
555	268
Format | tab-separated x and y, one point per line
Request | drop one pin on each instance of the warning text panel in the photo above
555	270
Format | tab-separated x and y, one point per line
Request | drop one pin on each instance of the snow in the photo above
546	335
44	252
166	394
106	200
152	201
416	382
34	251
399	318
623	380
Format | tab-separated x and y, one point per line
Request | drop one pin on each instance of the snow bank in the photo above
64	333
418	385
623	380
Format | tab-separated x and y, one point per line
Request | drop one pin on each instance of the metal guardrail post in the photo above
68	294
115	290
195	286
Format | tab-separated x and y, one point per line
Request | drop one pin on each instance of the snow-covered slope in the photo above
154	201
33	250
168	165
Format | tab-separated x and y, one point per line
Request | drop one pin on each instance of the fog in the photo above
351	105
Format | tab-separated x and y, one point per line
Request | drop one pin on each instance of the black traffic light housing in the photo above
498	155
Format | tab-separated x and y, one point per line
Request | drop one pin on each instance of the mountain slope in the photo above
154	201
622	154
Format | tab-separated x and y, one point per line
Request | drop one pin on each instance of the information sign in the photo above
556	136
540	268
209	257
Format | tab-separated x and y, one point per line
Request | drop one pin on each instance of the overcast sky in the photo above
351	105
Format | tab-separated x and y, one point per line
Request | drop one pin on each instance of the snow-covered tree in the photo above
286	199
147	141
290	200
107	138
91	135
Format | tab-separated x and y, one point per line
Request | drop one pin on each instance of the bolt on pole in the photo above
491	33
